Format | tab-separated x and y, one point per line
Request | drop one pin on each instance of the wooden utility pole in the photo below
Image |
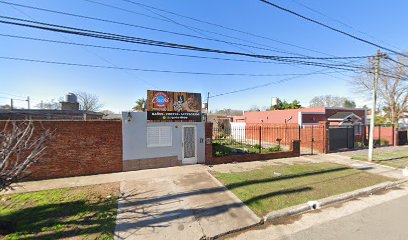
374	103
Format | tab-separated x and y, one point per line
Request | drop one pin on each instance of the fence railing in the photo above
265	138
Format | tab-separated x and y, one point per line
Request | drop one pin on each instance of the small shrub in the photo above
220	153
382	141
361	144
221	135
257	146
275	149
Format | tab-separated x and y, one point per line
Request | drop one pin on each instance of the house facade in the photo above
309	116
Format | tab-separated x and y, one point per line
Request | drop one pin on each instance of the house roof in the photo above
340	116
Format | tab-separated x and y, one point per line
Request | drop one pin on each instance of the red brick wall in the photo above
208	145
383	133
79	148
313	117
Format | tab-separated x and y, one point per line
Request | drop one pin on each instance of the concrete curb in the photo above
366	162
303	208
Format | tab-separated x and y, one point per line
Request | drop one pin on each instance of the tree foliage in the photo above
139	104
51	105
229	112
331	101
392	88
6	106
88	101
284	105
21	145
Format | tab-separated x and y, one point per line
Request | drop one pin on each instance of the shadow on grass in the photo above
63	220
274	179
146	214
277	193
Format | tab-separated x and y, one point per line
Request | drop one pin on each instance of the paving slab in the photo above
183	206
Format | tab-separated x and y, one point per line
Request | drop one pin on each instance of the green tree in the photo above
139	104
349	104
283	105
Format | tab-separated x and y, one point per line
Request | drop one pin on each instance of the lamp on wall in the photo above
129	117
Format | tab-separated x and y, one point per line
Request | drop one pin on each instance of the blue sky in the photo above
118	89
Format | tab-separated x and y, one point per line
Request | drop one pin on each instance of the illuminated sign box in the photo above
173	106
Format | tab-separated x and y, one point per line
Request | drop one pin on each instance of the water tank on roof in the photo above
275	101
71	98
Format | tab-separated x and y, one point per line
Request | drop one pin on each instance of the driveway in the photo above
183	206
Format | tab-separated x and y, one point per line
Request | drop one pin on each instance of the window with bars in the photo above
159	136
357	129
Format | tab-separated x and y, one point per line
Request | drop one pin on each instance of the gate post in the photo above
260	139
208	143
325	136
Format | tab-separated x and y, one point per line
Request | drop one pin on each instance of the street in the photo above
376	217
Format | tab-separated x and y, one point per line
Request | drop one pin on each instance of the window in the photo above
159	137
357	129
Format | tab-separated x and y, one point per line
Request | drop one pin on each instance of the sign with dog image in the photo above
173	106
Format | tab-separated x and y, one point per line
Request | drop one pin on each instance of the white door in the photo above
189	144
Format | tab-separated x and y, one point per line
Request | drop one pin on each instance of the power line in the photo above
151	70
223	27
331	28
116	37
341	22
270	83
133	50
134	25
162	53
87	50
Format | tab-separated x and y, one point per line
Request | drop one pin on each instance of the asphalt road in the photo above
382	216
388	221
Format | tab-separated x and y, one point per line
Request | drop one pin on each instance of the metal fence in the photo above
265	138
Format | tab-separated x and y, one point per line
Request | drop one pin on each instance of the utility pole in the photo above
28	102
374	103
11	104
208	112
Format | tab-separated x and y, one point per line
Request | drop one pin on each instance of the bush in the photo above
382	141
275	149
221	135
257	146
220	153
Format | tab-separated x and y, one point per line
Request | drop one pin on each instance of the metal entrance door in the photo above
341	138
189	145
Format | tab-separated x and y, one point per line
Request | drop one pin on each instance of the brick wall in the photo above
79	148
384	133
208	145
293	152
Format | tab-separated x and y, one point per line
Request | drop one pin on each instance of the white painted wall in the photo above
135	138
238	130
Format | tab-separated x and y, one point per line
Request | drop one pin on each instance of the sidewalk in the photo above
186	202
33	186
356	164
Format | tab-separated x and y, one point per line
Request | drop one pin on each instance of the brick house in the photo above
311	116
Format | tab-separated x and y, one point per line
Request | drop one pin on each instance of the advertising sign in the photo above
173	106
